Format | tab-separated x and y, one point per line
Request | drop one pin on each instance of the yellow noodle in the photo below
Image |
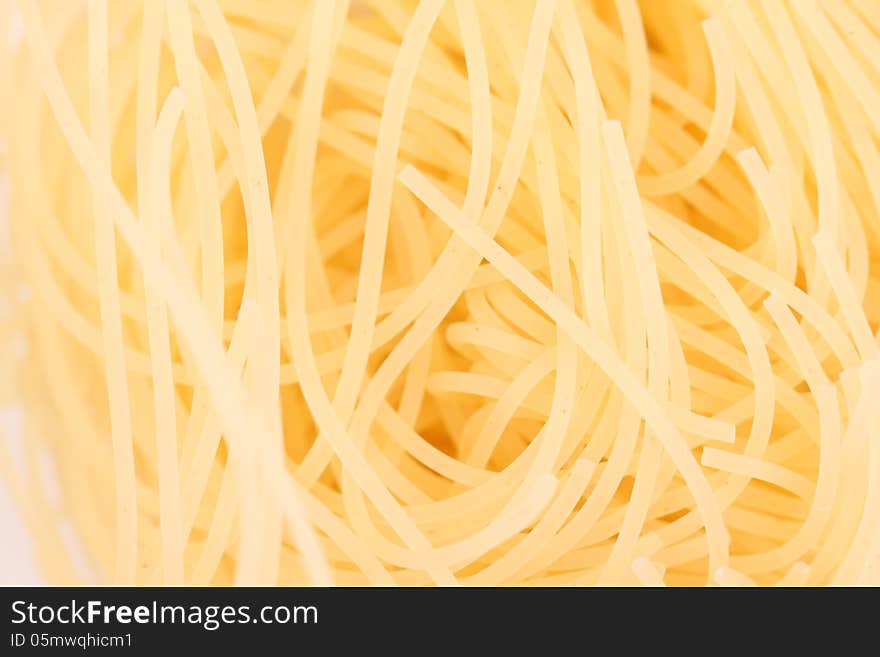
444	292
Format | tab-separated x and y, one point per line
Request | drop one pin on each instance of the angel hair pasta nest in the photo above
540	292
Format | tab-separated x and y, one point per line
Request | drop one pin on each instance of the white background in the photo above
17	563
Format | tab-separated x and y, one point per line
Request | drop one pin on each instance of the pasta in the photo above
444	292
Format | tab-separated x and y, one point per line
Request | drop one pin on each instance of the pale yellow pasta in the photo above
450	292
